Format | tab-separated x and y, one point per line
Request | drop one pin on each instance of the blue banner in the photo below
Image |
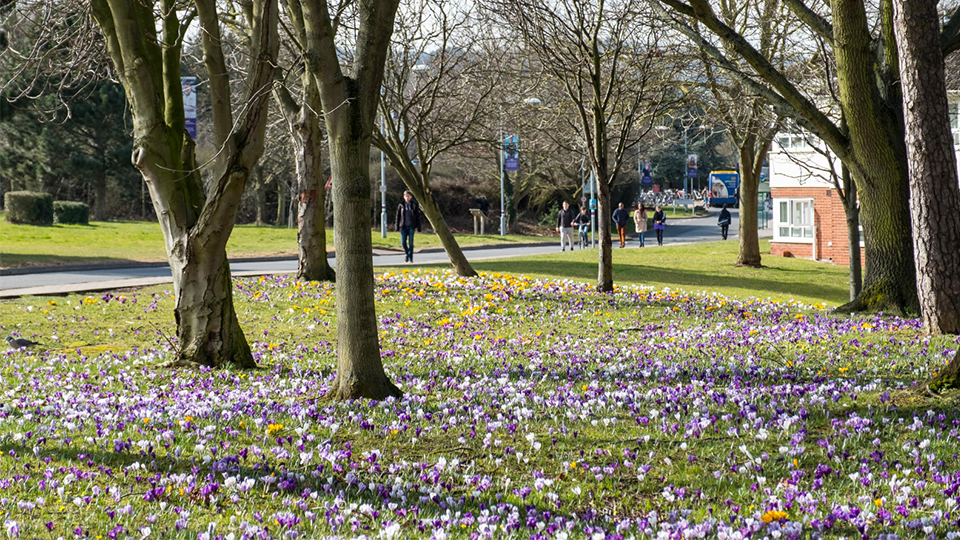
692	166
511	153
647	176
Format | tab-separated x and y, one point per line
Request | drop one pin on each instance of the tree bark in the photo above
311	220
359	368
459	261
872	108
852	213
349	106
605	251
934	198
749	254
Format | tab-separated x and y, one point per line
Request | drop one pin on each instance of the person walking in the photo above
640	221
408	219
724	221
583	224
565	225
659	219
620	218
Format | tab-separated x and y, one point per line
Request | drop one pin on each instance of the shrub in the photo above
29	207
71	212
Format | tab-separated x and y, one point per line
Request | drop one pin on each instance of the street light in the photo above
502	156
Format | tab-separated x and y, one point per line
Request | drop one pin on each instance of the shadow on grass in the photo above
693	279
19	260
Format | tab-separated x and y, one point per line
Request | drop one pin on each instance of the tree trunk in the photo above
100	198
459	261
261	197
605	254
934	199
359	368
852	214
947	379
878	155
208	332
311	229
281	202
749	254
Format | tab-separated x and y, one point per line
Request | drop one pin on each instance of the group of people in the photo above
568	219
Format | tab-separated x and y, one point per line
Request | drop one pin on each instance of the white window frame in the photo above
794	225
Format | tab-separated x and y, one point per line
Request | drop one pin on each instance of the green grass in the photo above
694	267
140	241
598	380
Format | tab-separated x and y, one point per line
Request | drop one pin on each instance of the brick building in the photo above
808	217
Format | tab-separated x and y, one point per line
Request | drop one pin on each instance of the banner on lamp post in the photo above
190	105
511	152
647	177
692	166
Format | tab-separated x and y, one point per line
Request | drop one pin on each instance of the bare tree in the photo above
436	91
196	225
612	69
872	148
302	114
750	119
934	200
349	96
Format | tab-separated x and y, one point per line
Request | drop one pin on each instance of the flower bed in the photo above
532	409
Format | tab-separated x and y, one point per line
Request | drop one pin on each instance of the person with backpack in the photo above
724	221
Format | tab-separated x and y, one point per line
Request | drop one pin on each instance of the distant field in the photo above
140	241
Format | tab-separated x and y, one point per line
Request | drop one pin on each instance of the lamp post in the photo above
383	186
503	170
503	198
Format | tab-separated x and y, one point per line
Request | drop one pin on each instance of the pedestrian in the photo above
565	225
583	224
659	219
408	219
620	217
640	221
724	221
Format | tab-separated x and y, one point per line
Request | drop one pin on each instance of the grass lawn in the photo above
532	409
694	267
119	241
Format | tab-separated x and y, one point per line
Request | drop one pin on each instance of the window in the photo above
954	108
790	141
795	219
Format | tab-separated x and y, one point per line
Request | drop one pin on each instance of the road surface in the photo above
92	278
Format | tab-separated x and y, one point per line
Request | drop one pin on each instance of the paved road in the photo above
91	279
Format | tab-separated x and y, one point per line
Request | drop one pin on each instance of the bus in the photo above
724	188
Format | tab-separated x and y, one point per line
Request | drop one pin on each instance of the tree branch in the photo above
812	19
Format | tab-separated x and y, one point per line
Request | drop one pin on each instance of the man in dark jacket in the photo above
565	225
724	221
620	218
408	219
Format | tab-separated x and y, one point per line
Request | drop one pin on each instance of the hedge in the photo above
28	207
71	212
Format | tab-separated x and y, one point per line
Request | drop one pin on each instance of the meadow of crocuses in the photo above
532	409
